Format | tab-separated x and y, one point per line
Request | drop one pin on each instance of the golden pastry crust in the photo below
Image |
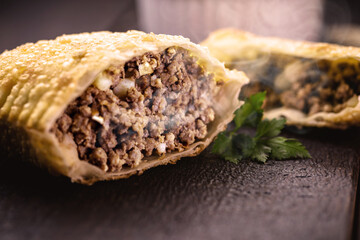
229	44
39	80
225	44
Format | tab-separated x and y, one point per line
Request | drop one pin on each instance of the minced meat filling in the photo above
307	85
155	103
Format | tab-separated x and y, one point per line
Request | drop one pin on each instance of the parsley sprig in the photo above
266	143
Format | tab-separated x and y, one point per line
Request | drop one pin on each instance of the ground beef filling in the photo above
312	85
155	103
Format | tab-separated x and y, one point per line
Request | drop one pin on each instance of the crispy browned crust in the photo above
229	44
38	81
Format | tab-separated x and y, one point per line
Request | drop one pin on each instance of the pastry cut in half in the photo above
311	84
101	106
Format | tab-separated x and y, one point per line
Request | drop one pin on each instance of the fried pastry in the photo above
311	84
101	106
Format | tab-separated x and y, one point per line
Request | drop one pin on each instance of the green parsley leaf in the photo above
224	146
234	158
261	152
284	148
250	113
270	128
234	146
245	144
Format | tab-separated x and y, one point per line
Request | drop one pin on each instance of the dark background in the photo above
29	21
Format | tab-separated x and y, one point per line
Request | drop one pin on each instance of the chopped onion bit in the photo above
102	82
121	89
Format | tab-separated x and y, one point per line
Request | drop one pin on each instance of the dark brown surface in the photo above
356	228
198	198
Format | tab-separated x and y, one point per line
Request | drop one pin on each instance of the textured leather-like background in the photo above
198	198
